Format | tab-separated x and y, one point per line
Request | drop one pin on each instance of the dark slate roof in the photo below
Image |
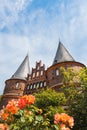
23	70
62	54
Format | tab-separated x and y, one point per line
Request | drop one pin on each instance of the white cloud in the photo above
41	33
9	11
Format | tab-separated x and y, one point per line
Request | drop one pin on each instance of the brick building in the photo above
25	82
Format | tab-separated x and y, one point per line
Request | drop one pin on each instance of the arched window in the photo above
17	85
31	86
41	84
37	85
45	84
57	72
34	86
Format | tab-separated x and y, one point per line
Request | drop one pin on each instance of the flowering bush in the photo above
21	114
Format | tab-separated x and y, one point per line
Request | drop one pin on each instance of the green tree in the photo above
75	89
50	101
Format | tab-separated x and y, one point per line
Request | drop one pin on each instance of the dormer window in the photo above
57	71
55	61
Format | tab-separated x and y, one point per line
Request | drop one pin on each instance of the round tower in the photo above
14	87
62	59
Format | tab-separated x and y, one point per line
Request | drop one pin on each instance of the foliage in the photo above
75	89
50	101
21	114
50	97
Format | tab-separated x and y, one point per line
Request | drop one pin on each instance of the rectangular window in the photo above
41	72
33	75
37	73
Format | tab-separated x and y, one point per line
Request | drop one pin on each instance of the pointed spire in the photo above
62	54
23	70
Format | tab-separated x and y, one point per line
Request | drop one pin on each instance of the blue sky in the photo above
35	26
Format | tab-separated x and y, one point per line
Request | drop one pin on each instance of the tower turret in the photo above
62	59
14	87
23	70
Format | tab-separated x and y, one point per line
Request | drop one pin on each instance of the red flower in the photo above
22	103
30	99
3	127
64	120
71	122
5	116
64	117
12	107
57	118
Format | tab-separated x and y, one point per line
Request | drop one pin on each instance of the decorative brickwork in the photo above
37	79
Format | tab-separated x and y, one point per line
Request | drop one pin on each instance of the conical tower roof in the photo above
23	70
62	54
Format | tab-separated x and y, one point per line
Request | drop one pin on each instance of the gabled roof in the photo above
62	54
23	70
